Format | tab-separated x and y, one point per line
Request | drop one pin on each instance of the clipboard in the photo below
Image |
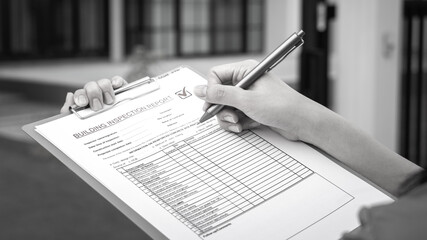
139	220
150	85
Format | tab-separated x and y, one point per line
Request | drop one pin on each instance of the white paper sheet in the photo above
196	181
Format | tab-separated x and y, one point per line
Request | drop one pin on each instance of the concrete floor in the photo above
42	199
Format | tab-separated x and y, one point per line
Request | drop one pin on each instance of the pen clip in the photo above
285	55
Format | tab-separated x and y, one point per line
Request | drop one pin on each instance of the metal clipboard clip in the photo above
131	91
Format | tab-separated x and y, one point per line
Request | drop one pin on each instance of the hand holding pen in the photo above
268	101
272	60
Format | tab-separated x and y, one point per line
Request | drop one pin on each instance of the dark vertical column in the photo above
264	20
245	28
5	27
314	82
127	22
48	34
414	88
148	26
40	11
418	94
212	27
178	28
75	19
105	24
406	89
75	25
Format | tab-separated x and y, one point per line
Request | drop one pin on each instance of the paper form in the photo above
197	181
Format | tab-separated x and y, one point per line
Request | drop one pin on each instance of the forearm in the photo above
271	102
333	134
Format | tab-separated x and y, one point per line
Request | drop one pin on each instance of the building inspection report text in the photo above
197	181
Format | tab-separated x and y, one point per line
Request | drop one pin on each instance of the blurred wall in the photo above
368	67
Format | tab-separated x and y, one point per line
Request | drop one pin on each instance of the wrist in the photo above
316	123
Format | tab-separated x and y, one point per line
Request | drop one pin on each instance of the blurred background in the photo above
363	59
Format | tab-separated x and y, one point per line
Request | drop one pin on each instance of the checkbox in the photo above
183	93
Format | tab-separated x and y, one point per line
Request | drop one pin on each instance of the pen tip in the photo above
205	117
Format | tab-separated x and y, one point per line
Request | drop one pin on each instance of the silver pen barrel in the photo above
268	63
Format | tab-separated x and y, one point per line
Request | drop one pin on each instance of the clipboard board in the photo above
143	224
136	218
139	220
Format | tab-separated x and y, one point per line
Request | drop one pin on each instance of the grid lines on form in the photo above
214	176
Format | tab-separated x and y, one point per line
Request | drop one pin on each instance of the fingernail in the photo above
82	100
116	81
69	97
229	119
200	91
234	128
96	104
108	98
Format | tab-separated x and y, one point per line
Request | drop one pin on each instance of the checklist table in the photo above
204	181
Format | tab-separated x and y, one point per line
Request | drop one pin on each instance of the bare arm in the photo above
358	150
271	102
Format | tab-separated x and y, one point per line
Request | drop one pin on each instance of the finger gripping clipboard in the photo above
129	92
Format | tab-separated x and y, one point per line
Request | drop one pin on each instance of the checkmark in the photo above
183	93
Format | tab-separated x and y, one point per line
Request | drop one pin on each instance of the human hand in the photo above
96	94
269	101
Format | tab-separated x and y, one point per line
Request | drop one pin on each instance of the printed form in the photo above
197	181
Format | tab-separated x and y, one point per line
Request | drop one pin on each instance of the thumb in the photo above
69	101
221	94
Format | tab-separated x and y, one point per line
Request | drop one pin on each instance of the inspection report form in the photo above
197	181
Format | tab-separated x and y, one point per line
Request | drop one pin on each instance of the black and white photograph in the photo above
213	119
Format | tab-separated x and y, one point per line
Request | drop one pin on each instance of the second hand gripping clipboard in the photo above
131	91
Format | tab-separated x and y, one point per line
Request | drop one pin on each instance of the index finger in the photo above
107	90
232	73
118	82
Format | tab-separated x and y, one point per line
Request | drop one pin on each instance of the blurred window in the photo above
169	28
194	27
53	28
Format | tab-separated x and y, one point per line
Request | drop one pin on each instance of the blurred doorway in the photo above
314	63
413	84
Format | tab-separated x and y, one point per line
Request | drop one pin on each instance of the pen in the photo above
268	63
